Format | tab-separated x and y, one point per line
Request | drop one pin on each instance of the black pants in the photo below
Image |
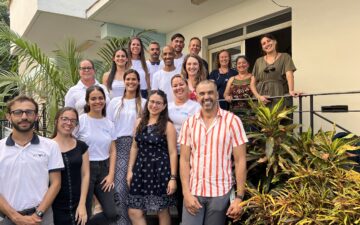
98	171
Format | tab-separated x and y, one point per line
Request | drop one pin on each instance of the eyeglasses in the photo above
65	119
19	112
86	68
269	68
155	102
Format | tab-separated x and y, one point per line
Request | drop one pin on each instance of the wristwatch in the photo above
39	213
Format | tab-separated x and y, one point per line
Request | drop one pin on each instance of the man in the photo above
178	43
75	97
162	78
30	167
153	63
207	141
195	47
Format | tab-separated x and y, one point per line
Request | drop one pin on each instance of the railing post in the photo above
312	114
300	114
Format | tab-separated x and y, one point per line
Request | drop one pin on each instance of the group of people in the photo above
151	136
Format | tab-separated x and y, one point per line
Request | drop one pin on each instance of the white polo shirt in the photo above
24	176
75	97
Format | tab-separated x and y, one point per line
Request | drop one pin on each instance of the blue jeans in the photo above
98	171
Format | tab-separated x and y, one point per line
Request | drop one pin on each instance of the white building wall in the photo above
22	13
325	48
75	8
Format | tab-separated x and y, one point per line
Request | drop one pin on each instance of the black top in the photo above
221	81
69	194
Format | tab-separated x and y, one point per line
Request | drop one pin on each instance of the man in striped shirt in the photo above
208	139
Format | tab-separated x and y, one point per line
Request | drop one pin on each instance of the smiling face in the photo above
194	46
178	44
96	101
22	116
268	45
67	122
168	55
224	59
180	88
87	71
242	65
120	58
207	96
192	66
132	82
156	104
135	47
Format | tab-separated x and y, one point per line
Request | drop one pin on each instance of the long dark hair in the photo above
60	113
87	96
137	95
114	68
163	117
218	58
201	75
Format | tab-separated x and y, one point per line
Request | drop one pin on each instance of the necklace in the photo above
266	59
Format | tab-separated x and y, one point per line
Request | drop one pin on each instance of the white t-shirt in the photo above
125	120
162	81
75	97
97	134
136	65
180	113
117	89
24	170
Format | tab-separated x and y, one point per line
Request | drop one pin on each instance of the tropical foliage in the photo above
48	79
305	179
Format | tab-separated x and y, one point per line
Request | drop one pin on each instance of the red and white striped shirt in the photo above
211	149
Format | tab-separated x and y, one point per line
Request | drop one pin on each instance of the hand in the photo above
192	204
27	220
108	183
234	211
228	98
264	99
295	93
171	188
129	177
81	215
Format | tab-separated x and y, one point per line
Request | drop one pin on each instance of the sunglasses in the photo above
269	69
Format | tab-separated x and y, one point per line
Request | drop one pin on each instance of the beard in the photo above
21	129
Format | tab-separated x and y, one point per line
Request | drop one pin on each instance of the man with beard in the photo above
153	63
208	139
30	167
162	78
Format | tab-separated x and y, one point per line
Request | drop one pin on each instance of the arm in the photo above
255	92
239	153
105	78
171	141
54	188
191	203
291	83
227	95
108	181
81	215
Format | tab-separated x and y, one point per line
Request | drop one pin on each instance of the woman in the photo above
238	87
138	63
75	97
114	79
273	73
222	74
179	110
152	168
98	133
123	112
69	205
194	71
